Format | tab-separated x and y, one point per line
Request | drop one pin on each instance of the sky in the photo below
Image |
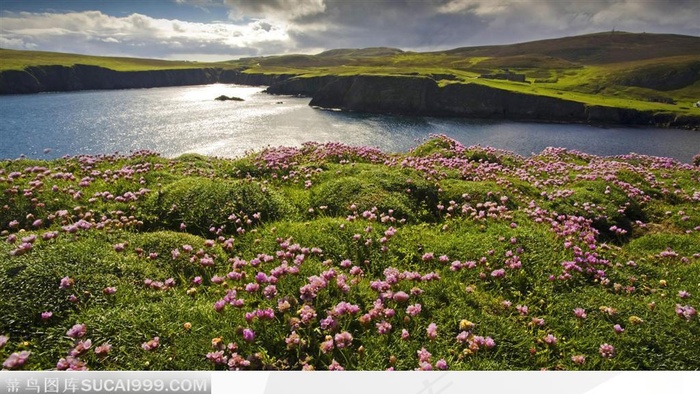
214	30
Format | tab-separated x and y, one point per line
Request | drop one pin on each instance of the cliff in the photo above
84	77
422	96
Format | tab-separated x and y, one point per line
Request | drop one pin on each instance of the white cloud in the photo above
162	38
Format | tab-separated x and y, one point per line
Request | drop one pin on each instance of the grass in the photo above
305	246
19	60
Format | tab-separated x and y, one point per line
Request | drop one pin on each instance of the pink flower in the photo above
404	334
119	247
46	315
16	360
327	345
522	310
400	297
423	355
343	340
414	309
580	313
578	359
334	366
432	331
66	283
77	331
499	273
3	340
618	329
109	290
550	340
103	349
383	327
441	364
606	350
248	335
151	345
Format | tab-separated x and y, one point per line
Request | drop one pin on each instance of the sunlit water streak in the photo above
180	120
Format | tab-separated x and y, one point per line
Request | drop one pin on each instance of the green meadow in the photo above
336	257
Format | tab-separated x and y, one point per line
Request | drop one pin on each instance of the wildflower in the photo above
3	340
77	331
432	331
441	364
413	310
606	350
219	305
400	297
217	357
499	273
119	247
109	290
46	315
580	313
685	311
248	335
334	366
683	294
81	347
550	340
151	344
635	320
327	345
423	355
404	334
618	329
66	283
578	359
187	326
522	310
102	350
383	327
16	360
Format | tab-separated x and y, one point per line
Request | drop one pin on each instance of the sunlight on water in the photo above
180	120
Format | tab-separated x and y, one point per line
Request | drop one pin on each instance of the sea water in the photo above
178	120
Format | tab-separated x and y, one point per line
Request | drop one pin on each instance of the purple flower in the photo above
151	345
441	364
618	329
606	350
119	247
77	331
578	359
46	315
16	360
683	294
66	283
248	335
499	273
109	290
3	340
343	340
423	355
550	340
685	311
219	305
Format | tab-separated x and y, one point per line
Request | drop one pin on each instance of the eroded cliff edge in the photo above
84	77
422	96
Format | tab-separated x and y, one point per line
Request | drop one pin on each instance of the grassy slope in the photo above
18	60
484	209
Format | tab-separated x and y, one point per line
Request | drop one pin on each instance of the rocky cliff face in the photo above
83	77
411	95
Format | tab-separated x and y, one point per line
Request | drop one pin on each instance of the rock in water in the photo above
224	97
